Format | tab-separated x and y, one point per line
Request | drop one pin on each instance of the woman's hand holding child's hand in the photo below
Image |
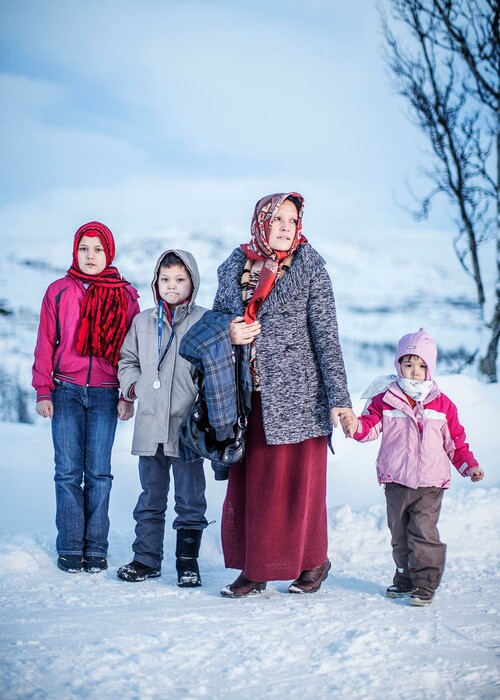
125	410
476	474
45	408
347	418
242	333
349	424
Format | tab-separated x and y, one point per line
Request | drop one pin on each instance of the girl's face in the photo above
91	255
283	226
174	285
413	367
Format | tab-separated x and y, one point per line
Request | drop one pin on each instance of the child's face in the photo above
413	367
283	226
91	255
174	285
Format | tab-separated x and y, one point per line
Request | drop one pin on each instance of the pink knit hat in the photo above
421	344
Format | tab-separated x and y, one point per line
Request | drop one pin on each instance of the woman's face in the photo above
283	226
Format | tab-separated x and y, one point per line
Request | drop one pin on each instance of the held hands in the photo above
45	408
347	418
125	410
476	474
242	333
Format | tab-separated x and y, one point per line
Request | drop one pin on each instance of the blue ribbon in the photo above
161	311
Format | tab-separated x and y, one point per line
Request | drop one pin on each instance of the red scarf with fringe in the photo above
103	311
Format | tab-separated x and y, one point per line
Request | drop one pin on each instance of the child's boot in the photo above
401	586
71	563
421	596
186	553
136	571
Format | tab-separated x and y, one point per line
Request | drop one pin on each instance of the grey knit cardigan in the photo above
299	358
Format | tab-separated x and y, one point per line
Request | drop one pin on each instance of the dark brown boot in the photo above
242	587
310	580
421	596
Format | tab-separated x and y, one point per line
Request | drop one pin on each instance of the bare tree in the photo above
450	74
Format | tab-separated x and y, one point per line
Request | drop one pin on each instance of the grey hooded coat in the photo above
160	411
299	358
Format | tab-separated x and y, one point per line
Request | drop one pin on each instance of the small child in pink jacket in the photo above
421	434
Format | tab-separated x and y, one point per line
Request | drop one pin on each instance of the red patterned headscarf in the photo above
103	311
259	248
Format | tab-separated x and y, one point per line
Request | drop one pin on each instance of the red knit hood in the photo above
95	228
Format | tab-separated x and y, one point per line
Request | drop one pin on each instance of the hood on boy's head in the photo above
189	263
421	344
95	228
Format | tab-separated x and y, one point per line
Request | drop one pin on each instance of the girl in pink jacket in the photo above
421	434
83	321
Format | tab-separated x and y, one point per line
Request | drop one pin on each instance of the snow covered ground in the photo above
91	636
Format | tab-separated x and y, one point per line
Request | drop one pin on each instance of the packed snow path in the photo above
92	636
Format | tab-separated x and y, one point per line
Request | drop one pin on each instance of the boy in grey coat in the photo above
152	371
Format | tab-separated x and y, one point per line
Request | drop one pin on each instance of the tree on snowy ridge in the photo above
450	74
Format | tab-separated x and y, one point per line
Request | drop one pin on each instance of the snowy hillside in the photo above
83	636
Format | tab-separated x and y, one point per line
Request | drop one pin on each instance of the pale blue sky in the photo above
149	113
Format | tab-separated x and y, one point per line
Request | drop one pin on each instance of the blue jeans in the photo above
83	431
149	513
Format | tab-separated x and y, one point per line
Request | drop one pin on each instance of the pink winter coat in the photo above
417	443
55	352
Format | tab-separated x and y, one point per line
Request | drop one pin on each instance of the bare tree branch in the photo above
444	58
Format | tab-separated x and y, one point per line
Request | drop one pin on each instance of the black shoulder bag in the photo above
198	435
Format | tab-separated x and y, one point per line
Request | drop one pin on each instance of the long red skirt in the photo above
274	519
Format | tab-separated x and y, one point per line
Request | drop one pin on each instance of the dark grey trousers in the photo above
149	514
412	516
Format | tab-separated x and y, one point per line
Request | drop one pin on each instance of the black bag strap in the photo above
242	419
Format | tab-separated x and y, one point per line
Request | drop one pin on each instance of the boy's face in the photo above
174	285
283	226
91	255
413	367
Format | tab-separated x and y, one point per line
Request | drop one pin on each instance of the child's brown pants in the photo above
412	516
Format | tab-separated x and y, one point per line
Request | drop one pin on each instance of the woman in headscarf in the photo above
274	521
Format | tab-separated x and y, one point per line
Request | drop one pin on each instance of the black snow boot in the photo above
71	563
401	586
136	571
186	558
